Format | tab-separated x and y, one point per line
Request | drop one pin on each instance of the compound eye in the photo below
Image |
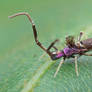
53	57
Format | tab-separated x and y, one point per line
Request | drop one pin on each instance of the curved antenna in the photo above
22	13
34	31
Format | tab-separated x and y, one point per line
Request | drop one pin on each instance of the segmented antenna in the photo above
22	13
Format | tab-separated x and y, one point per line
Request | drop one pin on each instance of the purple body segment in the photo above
70	51
67	52
60	54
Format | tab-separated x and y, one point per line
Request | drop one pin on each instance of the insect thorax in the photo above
70	41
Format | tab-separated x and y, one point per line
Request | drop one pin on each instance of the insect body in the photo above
87	43
70	51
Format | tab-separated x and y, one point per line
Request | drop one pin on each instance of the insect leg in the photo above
86	54
58	68
76	67
50	46
36	38
55	48
34	30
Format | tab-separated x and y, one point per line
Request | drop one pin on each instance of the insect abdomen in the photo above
87	43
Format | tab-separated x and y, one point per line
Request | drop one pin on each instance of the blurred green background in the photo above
19	55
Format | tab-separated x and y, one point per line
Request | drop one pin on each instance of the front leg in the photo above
34	31
52	45
61	62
